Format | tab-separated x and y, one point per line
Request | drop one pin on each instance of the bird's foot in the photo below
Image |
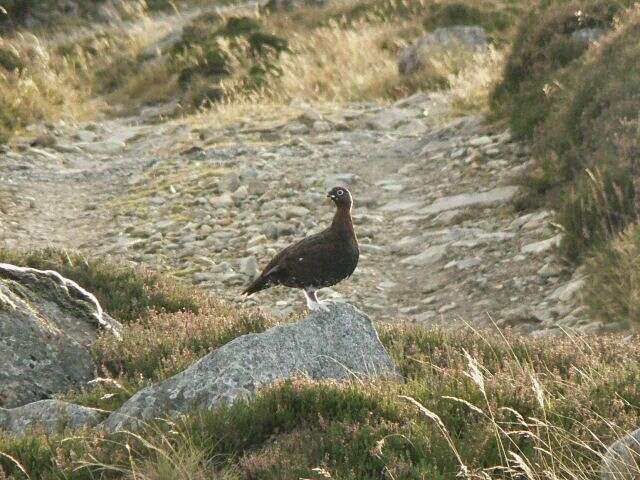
317	306
313	304
323	306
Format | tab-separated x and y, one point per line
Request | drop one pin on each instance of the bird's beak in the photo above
332	197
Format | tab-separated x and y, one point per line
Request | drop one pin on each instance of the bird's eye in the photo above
340	192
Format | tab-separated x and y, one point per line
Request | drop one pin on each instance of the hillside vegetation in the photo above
470	405
238	57
578	103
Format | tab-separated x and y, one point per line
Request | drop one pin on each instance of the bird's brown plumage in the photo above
317	261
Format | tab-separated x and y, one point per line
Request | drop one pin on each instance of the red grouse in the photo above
317	261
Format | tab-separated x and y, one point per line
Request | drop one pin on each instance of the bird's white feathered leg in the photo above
312	301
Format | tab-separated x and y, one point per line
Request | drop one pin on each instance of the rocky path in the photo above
211	201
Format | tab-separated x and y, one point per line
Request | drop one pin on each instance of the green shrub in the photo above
485	14
212	50
125	292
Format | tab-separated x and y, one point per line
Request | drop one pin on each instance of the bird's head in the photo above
340	196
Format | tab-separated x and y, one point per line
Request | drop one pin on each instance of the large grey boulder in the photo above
49	416
47	326
622	459
412	57
340	343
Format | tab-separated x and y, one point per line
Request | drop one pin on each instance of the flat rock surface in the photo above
497	196
341	343
49	416
47	327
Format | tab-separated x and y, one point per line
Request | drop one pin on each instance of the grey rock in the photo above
412	58
537	220
591	328
467	263
369	248
107	147
341	343
293	211
249	266
309	117
297	128
85	136
400	205
493	197
340	179
221	201
430	256
622	459
230	183
543	246
550	270
321	127
517	316
277	5
50	416
407	245
480	141
449	217
241	193
47	327
448	307
388	119
568	291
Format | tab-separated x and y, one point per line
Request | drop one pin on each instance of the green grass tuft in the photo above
126	293
613	283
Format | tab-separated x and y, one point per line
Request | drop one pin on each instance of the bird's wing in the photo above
310	259
301	262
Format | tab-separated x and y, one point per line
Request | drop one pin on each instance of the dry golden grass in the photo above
88	72
154	83
59	77
337	64
37	91
471	86
613	285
